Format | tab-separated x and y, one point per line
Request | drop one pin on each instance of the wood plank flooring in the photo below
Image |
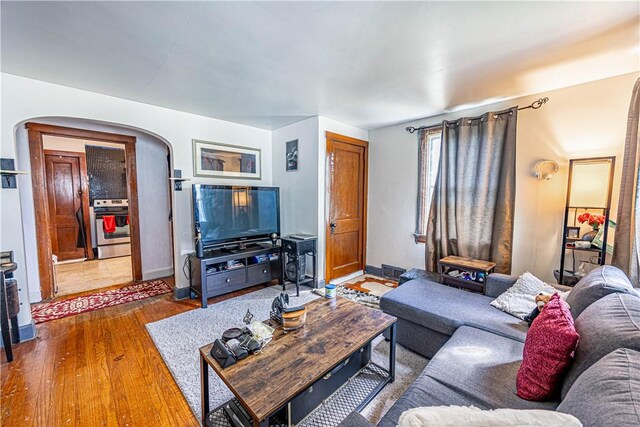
72	278
97	369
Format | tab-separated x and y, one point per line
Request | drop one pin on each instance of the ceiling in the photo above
369	64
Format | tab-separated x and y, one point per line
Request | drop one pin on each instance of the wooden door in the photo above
66	199
347	205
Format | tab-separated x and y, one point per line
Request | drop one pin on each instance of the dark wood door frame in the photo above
330	136
84	184
35	133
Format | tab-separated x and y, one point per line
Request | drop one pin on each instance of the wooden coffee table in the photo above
297	369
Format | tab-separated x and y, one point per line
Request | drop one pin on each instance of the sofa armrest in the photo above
497	283
355	420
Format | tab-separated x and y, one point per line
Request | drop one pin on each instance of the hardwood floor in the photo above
99	368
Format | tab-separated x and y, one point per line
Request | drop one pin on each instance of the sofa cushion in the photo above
497	283
608	393
483	366
519	299
444	309
596	284
426	391
608	324
469	416
354	419
548	352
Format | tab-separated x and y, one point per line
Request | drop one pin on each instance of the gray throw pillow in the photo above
596	284
608	324
608	393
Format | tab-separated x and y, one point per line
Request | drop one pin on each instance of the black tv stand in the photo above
241	247
225	270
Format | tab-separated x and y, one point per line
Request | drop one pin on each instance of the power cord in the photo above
186	268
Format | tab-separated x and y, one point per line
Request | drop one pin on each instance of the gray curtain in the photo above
626	250
472	208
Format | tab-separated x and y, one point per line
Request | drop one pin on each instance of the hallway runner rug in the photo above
70	307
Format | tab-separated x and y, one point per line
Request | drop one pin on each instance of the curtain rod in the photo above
534	105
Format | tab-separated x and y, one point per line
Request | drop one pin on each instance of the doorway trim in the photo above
330	136
35	132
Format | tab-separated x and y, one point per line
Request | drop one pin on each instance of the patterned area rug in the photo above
366	289
72	306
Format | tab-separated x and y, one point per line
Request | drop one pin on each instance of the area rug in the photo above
370	284
365	289
179	337
69	307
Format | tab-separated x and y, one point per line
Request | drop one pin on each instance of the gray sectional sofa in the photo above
476	350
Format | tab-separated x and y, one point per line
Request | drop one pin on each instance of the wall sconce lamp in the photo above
545	169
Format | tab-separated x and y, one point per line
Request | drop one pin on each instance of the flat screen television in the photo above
229	214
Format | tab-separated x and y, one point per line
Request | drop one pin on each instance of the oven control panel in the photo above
105	203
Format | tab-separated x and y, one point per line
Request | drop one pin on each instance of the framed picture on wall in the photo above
291	148
216	160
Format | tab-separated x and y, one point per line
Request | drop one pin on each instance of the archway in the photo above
35	260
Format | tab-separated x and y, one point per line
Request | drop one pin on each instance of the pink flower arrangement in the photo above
594	221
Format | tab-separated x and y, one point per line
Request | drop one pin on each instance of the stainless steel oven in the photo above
112	227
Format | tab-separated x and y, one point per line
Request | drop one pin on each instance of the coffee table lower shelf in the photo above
354	395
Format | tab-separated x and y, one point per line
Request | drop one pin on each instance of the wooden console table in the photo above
480	269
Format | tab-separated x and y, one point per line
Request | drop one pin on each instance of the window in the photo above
429	141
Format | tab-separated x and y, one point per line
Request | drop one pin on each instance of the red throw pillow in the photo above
548	351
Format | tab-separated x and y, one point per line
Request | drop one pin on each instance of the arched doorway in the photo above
131	140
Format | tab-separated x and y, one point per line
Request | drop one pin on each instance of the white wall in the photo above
27	99
303	192
580	121
154	206
298	189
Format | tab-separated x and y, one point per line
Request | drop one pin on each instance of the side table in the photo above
473	272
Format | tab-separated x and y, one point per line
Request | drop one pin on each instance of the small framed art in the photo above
291	148
573	233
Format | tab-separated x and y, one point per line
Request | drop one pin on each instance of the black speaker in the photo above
296	268
297	253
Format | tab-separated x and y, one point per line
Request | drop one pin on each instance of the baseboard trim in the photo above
181	293
376	271
27	332
157	273
340	280
380	271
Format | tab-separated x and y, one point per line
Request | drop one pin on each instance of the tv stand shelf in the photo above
221	271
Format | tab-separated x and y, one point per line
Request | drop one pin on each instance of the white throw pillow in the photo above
519	299
450	416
